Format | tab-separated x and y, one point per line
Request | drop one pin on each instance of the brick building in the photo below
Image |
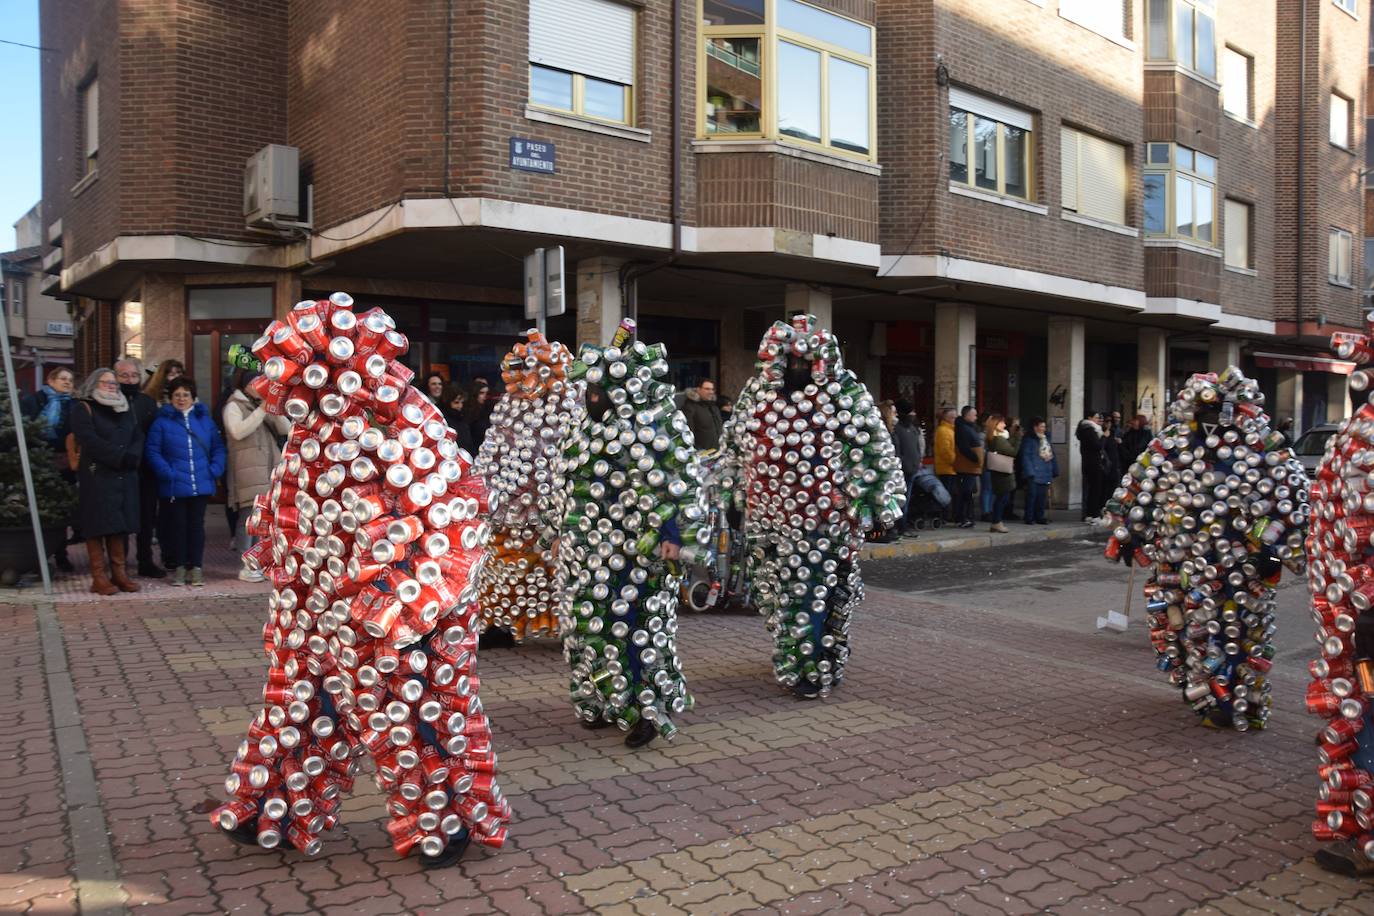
38	325
1038	206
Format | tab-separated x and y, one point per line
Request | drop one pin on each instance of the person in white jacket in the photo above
251	433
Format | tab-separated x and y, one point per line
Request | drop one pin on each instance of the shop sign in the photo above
59	328
533	155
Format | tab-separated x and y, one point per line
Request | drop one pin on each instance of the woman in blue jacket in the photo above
1037	464
186	453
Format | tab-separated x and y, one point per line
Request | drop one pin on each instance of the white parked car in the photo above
1311	445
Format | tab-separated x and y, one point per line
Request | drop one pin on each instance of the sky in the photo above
21	183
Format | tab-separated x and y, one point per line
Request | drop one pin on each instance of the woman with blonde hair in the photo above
168	371
109	441
1000	458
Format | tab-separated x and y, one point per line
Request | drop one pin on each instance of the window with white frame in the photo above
1180	193
1338	257
786	70
1236	229
582	58
1105	17
1237	69
1347	5
1183	32
89	124
989	144
15	289
1094	175
1340	120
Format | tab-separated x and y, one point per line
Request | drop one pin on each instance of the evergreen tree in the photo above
56	497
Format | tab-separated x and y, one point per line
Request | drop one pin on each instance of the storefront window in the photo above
221	316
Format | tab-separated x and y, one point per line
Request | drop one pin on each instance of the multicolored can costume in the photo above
1341	577
372	539
632	486
815	470
522	464
1216	506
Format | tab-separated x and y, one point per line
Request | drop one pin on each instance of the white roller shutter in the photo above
990	108
1102	179
1068	167
592	37
1105	17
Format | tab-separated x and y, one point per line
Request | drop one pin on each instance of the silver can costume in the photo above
814	470
1216	507
521	461
633	496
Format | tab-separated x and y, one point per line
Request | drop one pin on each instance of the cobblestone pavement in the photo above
974	761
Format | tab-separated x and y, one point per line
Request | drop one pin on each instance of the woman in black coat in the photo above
111	443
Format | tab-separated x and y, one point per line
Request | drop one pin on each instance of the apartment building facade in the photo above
38	325
1040	207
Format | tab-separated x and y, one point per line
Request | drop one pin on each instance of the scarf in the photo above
1046	450
116	402
53	410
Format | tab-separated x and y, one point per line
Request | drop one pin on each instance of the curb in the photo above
922	547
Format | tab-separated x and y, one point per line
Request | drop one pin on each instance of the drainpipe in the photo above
1302	163
630	273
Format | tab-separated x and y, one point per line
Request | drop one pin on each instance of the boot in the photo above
100	576
118	574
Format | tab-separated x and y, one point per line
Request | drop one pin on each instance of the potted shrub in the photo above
56	497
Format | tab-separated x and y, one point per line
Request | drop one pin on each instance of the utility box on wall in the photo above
271	185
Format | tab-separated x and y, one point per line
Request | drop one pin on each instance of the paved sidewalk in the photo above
1062	525
972	762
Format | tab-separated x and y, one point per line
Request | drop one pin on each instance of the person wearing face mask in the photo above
109	443
1000	459
129	373
187	454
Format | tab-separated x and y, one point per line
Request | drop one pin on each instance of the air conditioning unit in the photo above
272	185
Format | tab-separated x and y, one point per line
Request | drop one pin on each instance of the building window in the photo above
1180	193
1368	263
1347	5
1105	17
1094	174
1237	70
1340	121
582	58
1236	227
1183	32
15	293
989	144
89	124
1338	258
818	67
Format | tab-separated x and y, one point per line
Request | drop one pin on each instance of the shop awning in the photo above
1303	363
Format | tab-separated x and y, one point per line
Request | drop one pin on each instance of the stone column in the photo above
1222	352
1066	371
1152	366
807	300
956	334
600	305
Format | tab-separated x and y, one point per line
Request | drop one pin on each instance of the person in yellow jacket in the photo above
945	454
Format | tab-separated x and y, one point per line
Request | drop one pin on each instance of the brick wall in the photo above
769	189
1336	60
1001	48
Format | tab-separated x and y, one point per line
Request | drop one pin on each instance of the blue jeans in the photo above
986	495
1001	502
1036	496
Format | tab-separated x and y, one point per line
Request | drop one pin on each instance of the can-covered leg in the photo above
816	469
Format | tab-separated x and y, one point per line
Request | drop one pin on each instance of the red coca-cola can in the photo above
311	329
292	345
381	618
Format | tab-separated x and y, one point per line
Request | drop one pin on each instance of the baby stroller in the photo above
926	500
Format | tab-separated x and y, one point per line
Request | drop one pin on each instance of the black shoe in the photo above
457	845
496	638
64	564
595	724
1348	865
149	571
643	732
806	690
966	524
245	834
1041	522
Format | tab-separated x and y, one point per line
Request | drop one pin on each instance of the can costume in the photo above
372	539
632	490
815	470
522	464
1216	507
1341	578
